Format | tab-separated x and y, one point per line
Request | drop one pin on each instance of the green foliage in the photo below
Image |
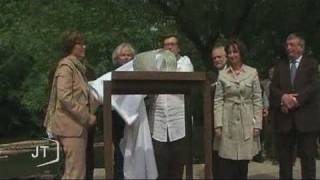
30	39
30	46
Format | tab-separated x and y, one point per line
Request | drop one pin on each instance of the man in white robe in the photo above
167	121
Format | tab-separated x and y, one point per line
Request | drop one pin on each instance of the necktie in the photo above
293	70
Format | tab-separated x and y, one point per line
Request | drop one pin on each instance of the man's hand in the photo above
289	101
218	132
284	109
294	97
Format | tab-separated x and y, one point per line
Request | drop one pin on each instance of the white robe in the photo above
136	145
167	122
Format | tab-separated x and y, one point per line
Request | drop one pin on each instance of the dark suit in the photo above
299	125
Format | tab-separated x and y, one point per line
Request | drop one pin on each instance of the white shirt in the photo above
167	121
297	62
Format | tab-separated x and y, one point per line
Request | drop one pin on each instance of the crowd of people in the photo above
246	109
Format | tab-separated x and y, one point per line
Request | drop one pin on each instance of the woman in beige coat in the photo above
71	108
237	114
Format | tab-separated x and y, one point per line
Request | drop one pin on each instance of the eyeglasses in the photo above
170	44
81	45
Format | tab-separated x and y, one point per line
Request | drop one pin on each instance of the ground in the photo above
265	170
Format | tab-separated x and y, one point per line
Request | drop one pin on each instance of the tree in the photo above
30	46
30	39
262	25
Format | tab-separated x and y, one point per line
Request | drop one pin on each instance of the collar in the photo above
298	60
78	64
236	73
229	69
72	57
224	67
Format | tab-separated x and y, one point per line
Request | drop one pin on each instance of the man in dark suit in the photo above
293	88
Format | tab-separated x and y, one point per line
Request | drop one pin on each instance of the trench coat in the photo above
238	111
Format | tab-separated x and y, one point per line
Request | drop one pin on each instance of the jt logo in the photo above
44	149
37	152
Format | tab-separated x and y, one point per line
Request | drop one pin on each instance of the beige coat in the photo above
72	110
238	110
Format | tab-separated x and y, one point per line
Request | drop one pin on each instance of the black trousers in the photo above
215	164
90	161
306	146
232	169
171	157
118	125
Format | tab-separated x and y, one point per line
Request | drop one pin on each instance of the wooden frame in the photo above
161	83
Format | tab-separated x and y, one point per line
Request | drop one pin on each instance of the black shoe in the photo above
258	158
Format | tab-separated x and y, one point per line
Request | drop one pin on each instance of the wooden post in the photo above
207	114
107	131
188	122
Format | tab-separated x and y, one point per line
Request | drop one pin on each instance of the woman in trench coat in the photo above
237	114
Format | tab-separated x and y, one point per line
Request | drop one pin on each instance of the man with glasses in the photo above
167	119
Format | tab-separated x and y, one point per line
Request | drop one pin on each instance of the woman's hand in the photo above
92	121
256	132
218	132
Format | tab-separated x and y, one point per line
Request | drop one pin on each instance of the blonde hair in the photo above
118	50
